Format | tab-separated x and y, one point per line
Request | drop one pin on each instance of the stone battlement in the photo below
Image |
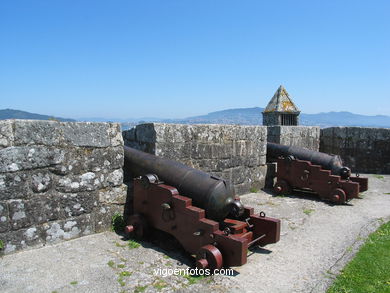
58	180
62	180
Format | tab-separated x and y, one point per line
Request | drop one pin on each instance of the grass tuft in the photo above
369	269
1	244
253	190
308	211
379	176
117	223
160	284
133	244
125	274
74	283
140	289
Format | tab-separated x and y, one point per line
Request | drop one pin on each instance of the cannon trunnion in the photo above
301	168
199	210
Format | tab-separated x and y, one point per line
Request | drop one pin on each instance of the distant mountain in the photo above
241	116
245	116
344	119
253	116
17	114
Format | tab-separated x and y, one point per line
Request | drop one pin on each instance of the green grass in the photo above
74	283
140	289
369	270
379	176
192	279
1	244
121	266
254	190
308	211
111	264
121	282
387	193
117	223
133	244
160	284
125	274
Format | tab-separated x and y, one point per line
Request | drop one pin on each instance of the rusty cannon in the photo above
198	209
304	169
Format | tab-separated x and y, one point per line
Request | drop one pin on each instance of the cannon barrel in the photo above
208	192
328	162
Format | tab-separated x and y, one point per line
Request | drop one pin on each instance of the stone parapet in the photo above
236	153
363	149
58	180
301	136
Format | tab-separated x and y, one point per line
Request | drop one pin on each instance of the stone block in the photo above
25	213
113	195
115	135
81	160
76	204
114	178
4	217
57	231
13	185
86	134
103	216
6	133
41	181
21	239
29	157
37	132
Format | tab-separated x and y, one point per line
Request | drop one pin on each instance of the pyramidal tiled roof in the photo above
281	102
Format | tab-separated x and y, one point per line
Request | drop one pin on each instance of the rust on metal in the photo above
300	168
205	238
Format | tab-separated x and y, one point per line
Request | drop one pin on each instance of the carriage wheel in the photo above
338	196
138	225
282	187
209	257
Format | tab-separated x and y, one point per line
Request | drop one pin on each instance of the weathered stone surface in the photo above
24	213
41	182
13	185
37	132
115	134
4	217
80	160
114	195
88	181
86	134
103	216
70	228
50	174
21	239
114	178
228	150
365	150
6	133
301	136
76	204
29	157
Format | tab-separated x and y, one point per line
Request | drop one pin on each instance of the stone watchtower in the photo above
281	110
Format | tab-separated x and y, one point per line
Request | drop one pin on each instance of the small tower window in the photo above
289	119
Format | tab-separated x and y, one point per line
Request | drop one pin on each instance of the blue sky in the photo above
182	58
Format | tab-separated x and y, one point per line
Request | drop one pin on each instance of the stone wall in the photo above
58	181
302	136
235	153
365	150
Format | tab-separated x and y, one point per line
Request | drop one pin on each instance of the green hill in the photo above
17	114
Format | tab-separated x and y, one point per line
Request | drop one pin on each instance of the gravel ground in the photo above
317	240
